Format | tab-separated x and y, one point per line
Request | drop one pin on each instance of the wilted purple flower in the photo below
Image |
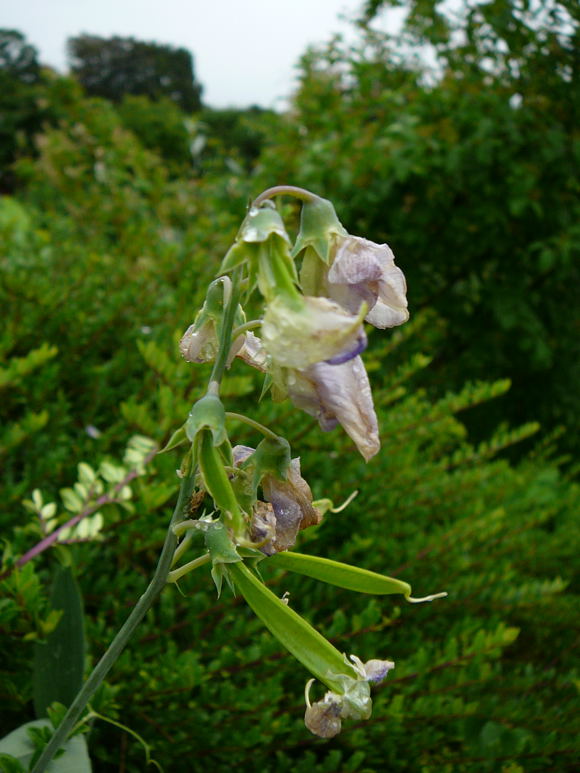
287	510
338	394
323	717
363	271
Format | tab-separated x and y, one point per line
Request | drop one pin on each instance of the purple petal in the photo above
350	354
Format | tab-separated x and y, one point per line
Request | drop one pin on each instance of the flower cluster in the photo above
313	301
312	331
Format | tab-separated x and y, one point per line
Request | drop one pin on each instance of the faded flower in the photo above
324	718
315	329
287	510
365	272
338	394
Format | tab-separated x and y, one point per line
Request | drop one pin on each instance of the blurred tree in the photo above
115	67
18	59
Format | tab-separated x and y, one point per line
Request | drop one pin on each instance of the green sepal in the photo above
178	438
265	387
339	574
238	254
308	646
214	299
271	457
222	551
258	226
219	544
276	271
318	224
207	413
260	223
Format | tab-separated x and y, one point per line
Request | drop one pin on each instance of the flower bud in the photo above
318	225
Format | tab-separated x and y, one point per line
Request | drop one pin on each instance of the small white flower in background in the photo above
365	272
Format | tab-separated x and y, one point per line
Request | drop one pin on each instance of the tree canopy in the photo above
115	67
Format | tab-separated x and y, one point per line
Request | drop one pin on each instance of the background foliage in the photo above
117	217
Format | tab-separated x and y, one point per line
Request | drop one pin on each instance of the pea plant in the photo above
295	312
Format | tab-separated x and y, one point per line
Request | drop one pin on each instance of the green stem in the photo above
251	325
118	644
252	423
182	547
284	190
231	304
177	574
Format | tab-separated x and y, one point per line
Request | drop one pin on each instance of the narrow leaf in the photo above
59	661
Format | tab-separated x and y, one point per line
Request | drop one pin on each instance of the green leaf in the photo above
18	744
308	646
178	437
341	575
59	662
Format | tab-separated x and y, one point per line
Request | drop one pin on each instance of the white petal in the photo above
319	330
383	316
358	260
339	393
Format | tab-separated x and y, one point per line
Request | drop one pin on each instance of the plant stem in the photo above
177	574
252	423
51	538
282	190
253	323
118	644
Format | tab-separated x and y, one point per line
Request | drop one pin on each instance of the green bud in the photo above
318	224
264	246
259	225
207	413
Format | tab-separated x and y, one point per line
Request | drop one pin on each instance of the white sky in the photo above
244	51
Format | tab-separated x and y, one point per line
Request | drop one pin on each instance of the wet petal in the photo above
365	271
339	393
291	501
318	330
252	351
